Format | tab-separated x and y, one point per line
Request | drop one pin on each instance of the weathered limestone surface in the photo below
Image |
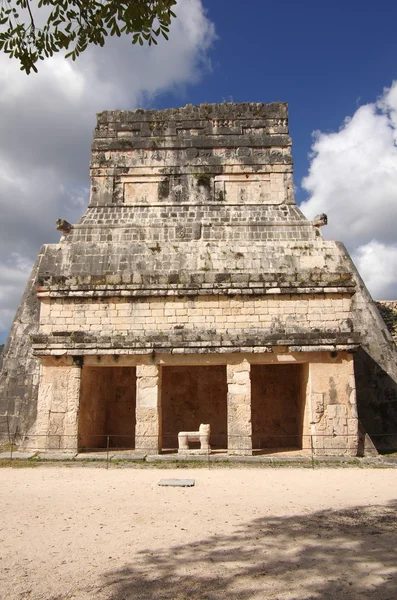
148	409
376	372
192	249
334	419
239	407
19	376
207	320
57	406
388	311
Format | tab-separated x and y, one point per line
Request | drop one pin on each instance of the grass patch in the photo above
316	463
18	463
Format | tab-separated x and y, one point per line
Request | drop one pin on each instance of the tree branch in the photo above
32	24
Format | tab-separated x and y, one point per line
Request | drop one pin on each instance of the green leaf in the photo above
78	22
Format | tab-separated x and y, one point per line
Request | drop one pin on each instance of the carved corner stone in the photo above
63	225
320	220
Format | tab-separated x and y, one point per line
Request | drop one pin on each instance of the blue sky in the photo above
323	58
333	62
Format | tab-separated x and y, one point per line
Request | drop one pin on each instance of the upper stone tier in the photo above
233	154
194	198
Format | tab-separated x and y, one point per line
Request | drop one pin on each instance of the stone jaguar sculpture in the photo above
202	436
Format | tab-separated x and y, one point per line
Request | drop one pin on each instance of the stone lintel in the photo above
177	351
197	340
226	289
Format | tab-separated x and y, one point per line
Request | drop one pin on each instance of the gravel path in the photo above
248	533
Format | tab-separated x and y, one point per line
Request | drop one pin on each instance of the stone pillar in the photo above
71	423
148	409
334	419
352	421
56	425
239	424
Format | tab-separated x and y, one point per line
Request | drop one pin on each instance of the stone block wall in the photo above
147	316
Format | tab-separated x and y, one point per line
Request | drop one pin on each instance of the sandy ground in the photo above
248	533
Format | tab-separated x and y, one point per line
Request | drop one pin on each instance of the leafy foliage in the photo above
74	24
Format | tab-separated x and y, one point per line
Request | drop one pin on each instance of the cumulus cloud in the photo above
46	128
377	264
353	178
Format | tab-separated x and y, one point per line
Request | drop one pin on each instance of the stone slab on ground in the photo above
176	458
18	454
389	460
94	456
56	456
5	455
177	482
266	459
130	456
219	458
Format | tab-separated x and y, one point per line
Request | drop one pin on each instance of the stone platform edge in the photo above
381	461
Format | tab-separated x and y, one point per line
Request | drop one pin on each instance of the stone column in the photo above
334	419
148	409
239	424
71	423
352	421
56	426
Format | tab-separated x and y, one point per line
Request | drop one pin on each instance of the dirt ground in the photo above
248	533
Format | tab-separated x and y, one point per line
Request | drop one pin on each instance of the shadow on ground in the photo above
345	554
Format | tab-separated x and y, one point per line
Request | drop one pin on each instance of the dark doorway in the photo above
107	407
277	398
191	396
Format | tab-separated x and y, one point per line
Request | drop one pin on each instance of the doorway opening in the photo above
107	408
277	406
192	395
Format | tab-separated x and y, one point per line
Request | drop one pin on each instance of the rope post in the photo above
312	449
14	437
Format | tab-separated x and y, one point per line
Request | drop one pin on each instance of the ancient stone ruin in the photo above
193	290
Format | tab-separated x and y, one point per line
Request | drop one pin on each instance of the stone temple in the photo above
193	290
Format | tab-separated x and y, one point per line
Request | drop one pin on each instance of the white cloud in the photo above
353	178
377	264
46	123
